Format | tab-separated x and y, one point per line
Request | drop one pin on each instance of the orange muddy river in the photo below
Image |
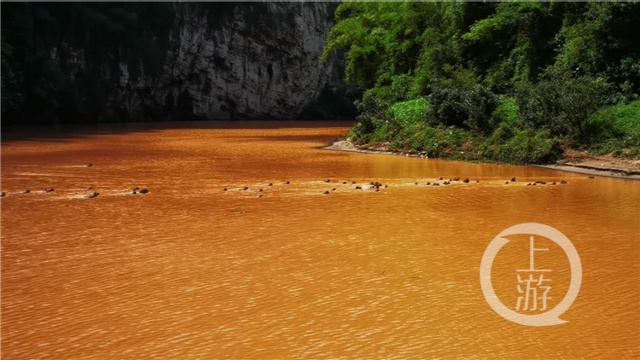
192	271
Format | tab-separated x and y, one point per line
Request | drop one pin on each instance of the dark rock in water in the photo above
456	179
513	179
328	180
353	182
260	190
326	192
592	177
225	189
144	191
416	183
429	183
95	194
288	182
441	178
270	184
553	183
344	183
466	181
334	189
26	191
48	190
358	188
563	182
506	183
259	196
386	186
540	182
136	189
3	194
477	181
245	188
89	165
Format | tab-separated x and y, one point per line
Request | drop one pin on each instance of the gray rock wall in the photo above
253	61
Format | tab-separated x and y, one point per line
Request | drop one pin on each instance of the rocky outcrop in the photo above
222	61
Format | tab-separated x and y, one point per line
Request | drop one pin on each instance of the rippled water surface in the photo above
192	271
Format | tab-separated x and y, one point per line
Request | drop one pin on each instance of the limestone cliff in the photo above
215	61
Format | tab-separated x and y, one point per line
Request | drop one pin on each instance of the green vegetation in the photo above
508	82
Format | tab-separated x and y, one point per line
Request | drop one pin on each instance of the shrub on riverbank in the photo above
505	82
616	129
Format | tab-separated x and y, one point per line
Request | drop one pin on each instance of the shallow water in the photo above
192	271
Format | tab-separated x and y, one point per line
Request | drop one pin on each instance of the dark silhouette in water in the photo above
3	194
513	179
563	182
326	192
89	165
288	182
95	194
48	190
26	191
466	181
144	191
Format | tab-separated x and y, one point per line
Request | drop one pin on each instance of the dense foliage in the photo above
511	82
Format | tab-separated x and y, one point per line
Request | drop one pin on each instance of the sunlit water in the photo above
192	271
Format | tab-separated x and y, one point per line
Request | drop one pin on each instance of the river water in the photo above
192	271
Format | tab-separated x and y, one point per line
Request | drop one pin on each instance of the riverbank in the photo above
580	162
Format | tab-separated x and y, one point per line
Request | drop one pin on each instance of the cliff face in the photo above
215	61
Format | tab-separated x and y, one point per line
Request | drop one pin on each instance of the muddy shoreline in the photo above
576	162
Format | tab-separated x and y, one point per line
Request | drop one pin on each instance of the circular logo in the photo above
551	317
